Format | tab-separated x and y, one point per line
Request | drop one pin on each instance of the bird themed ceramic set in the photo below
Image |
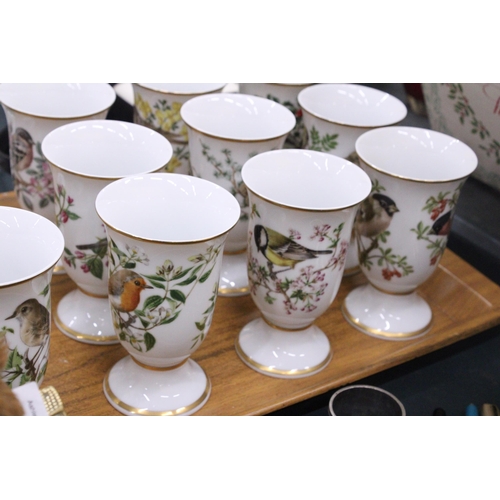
278	192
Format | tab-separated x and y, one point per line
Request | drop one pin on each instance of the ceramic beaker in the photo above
225	130
85	157
31	247
165	255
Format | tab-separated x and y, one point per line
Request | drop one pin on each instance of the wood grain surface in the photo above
464	302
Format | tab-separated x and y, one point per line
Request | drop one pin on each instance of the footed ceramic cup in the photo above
31	247
85	157
224	131
32	111
286	94
402	228
165	255
336	114
158	105
303	205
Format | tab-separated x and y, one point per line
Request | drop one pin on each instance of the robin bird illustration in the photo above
375	215
442	226
125	287
283	251
34	319
21	150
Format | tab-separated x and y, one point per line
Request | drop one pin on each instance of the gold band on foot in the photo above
283	373
142	411
375	332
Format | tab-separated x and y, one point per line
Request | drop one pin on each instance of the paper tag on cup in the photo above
31	400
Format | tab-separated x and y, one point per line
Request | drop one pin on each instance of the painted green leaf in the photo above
152	302
44	202
180	275
201	324
154	277
95	267
178	295
14	360
28	203
149	340
129	265
210	308
72	215
205	276
170	319
188	281
100	250
196	269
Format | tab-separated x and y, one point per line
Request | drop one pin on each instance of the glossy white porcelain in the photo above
303	205
85	157
336	114
286	94
224	131
166	237
32	111
158	105
469	112
402	227
31	247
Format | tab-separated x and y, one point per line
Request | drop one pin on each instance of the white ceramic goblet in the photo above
85	157
336	114
225	130
32	111
286	94
303	205
166	236
402	227
31	247
158	106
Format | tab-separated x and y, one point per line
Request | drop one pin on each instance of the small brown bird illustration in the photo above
375	215
281	250
125	287
21	150
34	319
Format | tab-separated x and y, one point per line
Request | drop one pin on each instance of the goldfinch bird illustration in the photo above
375	215
283	251
34	319
125	287
21	150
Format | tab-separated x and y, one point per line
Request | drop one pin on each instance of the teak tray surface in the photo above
464	302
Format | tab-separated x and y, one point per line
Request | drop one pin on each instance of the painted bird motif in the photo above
34	319
125	287
281	250
21	150
442	226
375	215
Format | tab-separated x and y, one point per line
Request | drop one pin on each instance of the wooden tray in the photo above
464	303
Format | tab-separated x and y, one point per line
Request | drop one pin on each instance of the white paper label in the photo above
31	400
